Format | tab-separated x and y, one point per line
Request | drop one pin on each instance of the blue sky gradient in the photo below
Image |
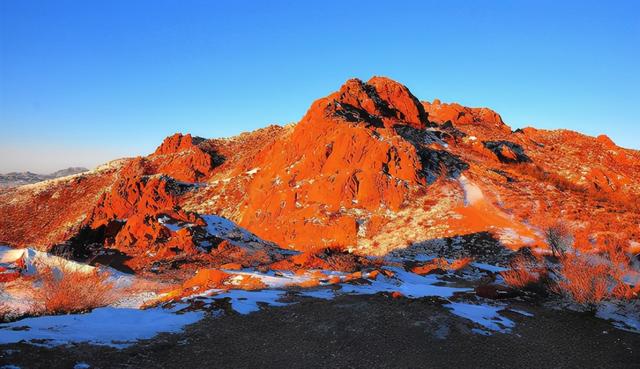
83	82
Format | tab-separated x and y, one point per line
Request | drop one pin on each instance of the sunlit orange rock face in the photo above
342	155
181	158
137	200
368	168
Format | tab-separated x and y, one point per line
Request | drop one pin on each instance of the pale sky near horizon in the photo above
82	82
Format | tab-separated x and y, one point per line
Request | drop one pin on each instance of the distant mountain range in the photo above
14	179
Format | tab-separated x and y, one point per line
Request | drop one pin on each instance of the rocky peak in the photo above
408	107
461	115
379	102
606	141
176	143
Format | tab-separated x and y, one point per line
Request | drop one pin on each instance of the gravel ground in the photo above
358	332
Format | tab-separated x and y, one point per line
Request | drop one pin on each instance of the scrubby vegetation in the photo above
330	258
585	278
65	289
4	311
524	272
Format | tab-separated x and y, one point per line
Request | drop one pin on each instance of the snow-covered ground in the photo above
117	327
483	314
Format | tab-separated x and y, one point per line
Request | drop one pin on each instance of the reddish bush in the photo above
4	311
227	253
623	200
65	289
524	272
584	281
8	276
591	279
330	258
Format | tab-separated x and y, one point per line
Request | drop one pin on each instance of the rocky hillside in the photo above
369	168
14	179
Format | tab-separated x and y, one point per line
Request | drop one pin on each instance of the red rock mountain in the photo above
369	168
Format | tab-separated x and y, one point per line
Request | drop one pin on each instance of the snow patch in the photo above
170	223
510	236
228	230
472	193
625	316
272	280
489	267
108	326
409	284
484	315
245	302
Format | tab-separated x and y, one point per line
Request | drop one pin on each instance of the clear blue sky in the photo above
83	82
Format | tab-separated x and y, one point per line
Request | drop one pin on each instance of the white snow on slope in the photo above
409	284
172	225
489	267
34	258
472	193
20	300
228	230
220	227
9	255
510	236
271	279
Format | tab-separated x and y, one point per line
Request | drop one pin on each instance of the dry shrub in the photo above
559	237
65	289
342	262
144	286
5	311
524	272
591	279
227	253
584	281
329	258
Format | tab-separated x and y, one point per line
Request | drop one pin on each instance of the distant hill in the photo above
14	179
